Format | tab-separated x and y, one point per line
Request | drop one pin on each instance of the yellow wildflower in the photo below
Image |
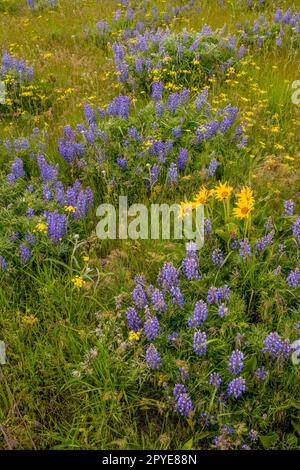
42	227
78	281
134	336
223	191
203	195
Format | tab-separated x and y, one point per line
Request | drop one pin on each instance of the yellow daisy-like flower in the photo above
246	195
223	191
42	227
203	195
245	203
86	258
134	336
78	281
70	209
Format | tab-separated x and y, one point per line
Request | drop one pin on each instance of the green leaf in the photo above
188	445
268	441
251	364
296	426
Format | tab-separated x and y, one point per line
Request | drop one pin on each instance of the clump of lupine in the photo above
132	18
183	59
20	91
199	339
150	148
279	31
36	4
37	209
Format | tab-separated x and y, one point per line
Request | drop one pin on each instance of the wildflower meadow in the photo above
171	322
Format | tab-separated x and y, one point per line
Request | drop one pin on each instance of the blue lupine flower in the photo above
236	387
172	174
57	226
200	346
288	208
151	328
245	249
261	373
293	279
24	253
212	167
3	264
276	348
236	362
217	257
152	357
168	277
215	380
133	319
182	158
200	315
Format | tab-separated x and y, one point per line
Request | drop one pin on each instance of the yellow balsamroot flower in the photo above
134	336
42	227
246	195
86	258
245	203
223	191
203	195
70	209
78	281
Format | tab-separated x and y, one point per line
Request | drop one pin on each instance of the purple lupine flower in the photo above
183	373
173	102
133	319
261	374
122	163
182	158
29	213
215	294
151	328
212	167
48	172
215	380
244	250
222	310
24	253
176	296
236	387
200	315
172	174
157	91
119	107
160	108
59	193
168	277
152	357
139	297
57	226
3	264
296	230
158	301
190	263
236	362
199	344
262	243
176	132
277	16
201	99
276	348
293	279
31	239
288	208
217	257
89	113
17	169
207	226
184	404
